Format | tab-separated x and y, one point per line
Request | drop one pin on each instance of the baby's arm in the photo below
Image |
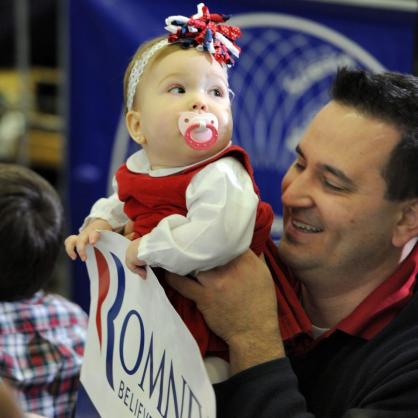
219	225
106	214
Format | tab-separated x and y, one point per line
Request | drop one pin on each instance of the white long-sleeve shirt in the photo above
219	224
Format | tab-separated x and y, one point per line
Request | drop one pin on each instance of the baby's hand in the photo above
132	261
128	231
89	235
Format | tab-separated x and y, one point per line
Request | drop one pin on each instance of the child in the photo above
190	193
42	335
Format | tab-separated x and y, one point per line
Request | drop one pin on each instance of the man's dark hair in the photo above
31	220
393	98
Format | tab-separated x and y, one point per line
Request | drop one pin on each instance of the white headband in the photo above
138	69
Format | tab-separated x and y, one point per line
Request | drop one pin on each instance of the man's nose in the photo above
297	190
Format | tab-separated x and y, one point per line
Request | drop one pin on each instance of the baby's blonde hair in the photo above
164	51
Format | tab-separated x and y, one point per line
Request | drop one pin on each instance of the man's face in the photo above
336	218
184	80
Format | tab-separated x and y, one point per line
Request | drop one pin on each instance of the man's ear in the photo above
407	226
133	124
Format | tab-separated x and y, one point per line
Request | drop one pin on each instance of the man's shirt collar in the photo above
385	302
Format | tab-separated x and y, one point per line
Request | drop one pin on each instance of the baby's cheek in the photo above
226	124
225	116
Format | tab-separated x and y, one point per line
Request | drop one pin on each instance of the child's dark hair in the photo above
30	231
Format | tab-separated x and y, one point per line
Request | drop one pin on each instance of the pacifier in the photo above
200	130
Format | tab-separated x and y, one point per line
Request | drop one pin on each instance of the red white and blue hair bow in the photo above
205	31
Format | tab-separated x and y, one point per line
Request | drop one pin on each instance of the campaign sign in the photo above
140	359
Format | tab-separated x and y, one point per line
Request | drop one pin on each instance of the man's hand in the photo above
239	304
76	244
132	261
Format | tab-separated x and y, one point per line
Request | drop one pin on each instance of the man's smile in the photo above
305	227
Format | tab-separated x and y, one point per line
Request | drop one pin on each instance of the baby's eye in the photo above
217	92
177	90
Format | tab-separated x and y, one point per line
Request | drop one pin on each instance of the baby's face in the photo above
182	81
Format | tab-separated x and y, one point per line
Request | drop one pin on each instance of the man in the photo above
42	335
350	230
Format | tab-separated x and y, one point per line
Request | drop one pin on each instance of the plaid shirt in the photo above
41	348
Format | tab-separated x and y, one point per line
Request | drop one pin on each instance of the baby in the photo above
190	193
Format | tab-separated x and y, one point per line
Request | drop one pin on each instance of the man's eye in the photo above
177	90
333	186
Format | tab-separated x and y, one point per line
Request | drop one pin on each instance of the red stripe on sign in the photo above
104	284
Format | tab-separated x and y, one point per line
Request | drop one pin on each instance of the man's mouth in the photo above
305	227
